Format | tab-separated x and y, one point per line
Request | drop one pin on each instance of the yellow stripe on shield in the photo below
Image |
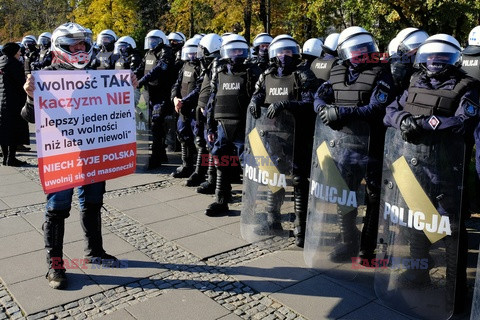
260	152
414	196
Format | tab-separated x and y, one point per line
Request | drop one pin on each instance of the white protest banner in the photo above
85	126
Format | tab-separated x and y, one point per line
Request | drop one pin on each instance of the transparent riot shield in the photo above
475	313
419	221
267	177
144	138
336	198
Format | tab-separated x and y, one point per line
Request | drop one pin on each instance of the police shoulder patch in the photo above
470	109
381	96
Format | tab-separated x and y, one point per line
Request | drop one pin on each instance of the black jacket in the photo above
13	129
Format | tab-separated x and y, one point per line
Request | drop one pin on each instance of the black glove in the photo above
411	129
140	84
329	114
254	109
275	108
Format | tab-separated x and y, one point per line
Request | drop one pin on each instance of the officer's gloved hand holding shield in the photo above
411	128
275	108
329	114
254	109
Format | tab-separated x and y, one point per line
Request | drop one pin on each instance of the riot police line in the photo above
370	155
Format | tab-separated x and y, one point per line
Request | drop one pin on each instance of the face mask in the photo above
285	61
263	52
435	66
237	60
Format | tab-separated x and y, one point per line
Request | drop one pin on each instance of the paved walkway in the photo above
181	263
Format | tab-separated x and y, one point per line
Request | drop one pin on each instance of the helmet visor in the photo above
74	44
120	48
349	52
44	41
189	53
235	49
153	42
106	39
283	47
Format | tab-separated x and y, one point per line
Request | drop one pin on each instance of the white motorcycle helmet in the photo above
355	41
45	40
155	38
312	47
330	44
409	39
124	45
261	39
177	36
189	50
234	47
474	37
70	34
393	47
438	53
209	46
107	38
29	42
282	44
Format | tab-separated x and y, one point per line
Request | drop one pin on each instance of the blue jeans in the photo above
88	194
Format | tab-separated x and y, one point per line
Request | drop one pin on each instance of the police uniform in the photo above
231	90
321	67
446	104
158	79
295	90
360	93
187	82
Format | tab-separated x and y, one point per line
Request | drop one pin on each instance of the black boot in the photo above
273	223
368	242
198	176
222	193
12	161
53	232
300	193
349	237
208	187
92	227
188	154
419	249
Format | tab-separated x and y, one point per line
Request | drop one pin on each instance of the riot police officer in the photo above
45	54
402	56
208	52
311	50
439	111
358	89
322	65
232	86
129	57
158	65
31	52
260	50
300	84
105	58
187	82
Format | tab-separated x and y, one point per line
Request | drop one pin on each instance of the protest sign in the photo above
85	126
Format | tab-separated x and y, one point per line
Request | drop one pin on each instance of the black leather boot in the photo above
90	218
198	176
222	193
53	231
208	187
